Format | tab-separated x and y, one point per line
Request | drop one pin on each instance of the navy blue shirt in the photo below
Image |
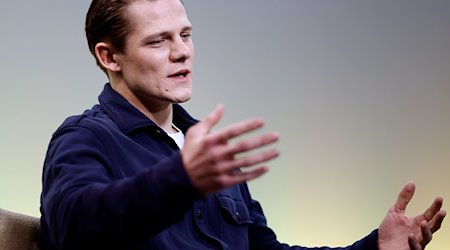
113	179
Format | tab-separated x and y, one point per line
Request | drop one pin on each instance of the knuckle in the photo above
215	154
221	182
242	146
221	167
209	139
247	162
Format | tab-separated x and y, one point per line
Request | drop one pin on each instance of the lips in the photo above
181	73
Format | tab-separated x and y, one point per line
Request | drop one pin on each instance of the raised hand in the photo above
400	232
212	163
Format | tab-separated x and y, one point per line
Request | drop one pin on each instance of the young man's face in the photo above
157	60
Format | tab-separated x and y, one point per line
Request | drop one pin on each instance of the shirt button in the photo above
199	214
238	216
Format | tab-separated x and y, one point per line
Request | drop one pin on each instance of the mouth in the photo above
180	74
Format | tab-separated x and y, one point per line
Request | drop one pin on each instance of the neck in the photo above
162	117
160	113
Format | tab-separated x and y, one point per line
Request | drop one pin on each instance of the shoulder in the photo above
93	120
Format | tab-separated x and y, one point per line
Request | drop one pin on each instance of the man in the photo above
138	172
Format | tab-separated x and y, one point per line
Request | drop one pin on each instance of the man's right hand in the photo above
211	161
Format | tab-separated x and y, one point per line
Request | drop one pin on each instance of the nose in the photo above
180	50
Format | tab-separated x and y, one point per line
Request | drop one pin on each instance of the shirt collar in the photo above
128	118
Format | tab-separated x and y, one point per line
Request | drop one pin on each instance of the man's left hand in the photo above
400	232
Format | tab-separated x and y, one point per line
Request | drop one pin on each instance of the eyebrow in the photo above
165	33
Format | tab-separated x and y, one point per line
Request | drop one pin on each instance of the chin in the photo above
182	98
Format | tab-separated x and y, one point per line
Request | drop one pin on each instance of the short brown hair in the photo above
105	21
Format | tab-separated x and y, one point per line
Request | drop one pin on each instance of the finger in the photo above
251	160
436	222
240	177
211	119
404	197
235	130
413	244
433	209
426	233
253	143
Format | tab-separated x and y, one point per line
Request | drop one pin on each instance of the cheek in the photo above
192	51
150	63
156	69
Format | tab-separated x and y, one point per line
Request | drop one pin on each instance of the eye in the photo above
186	36
156	42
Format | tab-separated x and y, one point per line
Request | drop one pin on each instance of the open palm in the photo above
400	232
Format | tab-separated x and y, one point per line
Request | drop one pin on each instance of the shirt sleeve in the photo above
262	237
84	203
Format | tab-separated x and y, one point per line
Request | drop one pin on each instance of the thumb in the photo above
211	119
404	197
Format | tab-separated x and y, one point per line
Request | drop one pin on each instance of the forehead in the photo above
156	16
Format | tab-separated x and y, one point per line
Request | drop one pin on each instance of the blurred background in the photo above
359	91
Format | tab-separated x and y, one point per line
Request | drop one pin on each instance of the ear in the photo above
106	57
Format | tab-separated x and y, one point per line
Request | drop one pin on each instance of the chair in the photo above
18	231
